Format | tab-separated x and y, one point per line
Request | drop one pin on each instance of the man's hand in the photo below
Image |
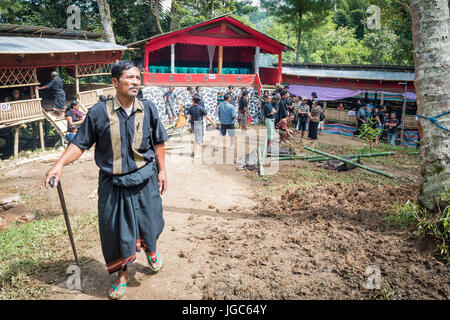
162	182
55	171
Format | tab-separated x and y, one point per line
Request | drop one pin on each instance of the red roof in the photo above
221	31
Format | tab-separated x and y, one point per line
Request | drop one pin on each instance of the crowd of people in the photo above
291	114
379	118
279	110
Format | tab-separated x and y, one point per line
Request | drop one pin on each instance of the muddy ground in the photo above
233	235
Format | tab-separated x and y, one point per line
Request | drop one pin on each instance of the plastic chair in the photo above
163	69
225	71
153	69
244	71
193	70
183	70
234	70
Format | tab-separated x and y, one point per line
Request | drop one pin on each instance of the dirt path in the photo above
217	245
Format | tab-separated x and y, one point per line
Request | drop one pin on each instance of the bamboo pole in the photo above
352	156
295	157
349	162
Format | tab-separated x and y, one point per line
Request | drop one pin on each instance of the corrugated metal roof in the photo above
350	74
30	45
17	30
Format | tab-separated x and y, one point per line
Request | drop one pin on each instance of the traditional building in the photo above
28	54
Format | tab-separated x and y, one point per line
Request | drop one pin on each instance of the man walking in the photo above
56	85
227	115
195	116
169	98
129	150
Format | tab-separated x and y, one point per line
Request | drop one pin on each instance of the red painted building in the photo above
217	52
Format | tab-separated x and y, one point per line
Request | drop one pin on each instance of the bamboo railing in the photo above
21	112
342	116
339	116
88	98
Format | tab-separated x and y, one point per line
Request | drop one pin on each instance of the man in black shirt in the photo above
195	118
129	150
269	116
243	110
282	111
59	96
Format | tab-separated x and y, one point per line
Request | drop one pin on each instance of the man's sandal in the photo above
115	295
156	265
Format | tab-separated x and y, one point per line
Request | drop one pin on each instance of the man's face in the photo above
171	89
392	115
15	94
129	83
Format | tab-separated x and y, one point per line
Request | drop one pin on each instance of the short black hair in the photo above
102	98
197	88
245	92
189	88
197	99
226	96
120	66
230	87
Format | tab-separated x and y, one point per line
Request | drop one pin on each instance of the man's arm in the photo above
210	120
160	152
71	154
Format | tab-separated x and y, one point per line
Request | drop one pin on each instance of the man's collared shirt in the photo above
123	143
227	113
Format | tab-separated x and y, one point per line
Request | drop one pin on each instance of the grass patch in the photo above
29	250
404	215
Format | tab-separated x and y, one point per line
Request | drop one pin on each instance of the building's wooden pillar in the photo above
382	98
16	141
223	28
77	83
220	61
41	135
146	58
279	68
34	126
172	58
257	50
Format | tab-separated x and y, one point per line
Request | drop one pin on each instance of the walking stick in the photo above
66	217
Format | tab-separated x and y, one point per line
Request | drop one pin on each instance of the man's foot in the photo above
154	261
118	288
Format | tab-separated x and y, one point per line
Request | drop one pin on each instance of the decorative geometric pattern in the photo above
94	69
209	96
18	77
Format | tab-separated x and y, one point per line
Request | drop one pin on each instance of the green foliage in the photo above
30	249
437	225
382	45
369	132
404	215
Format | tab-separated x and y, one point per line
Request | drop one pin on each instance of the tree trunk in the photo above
299	36
105	15
299	42
173	16
155	12
432	82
